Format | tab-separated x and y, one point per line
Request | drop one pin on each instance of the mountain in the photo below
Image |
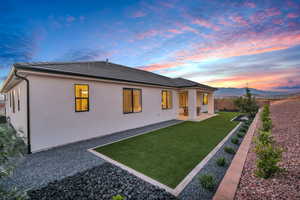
236	92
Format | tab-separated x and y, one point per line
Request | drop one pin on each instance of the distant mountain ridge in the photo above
236	92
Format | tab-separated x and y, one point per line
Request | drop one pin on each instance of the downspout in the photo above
28	111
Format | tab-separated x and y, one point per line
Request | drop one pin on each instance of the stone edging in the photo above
179	188
229	184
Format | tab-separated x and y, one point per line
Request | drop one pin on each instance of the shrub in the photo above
265	137
11	146
268	155
234	140
240	135
229	150
267	125
243	129
221	161
208	182
118	197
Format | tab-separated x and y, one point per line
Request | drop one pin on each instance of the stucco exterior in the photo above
18	119
55	122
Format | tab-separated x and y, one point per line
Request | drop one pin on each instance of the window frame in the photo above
205	95
141	100
10	99
13	101
18	100
88	98
168	107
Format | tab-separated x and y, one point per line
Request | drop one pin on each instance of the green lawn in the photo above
169	154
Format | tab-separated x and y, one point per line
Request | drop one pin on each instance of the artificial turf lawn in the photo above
169	154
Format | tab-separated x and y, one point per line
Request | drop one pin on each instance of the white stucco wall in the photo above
19	118
55	122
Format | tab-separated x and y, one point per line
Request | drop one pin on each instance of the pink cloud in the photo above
138	14
260	16
270	12
230	48
278	21
239	20
224	22
250	4
292	15
205	23
150	33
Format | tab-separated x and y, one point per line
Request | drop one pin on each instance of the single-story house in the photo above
57	103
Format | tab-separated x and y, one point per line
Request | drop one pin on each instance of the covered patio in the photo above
196	104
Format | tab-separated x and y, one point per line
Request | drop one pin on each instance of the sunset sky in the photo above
222	43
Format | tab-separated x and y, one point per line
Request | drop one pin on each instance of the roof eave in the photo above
8	79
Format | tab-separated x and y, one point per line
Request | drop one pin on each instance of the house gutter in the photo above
28	110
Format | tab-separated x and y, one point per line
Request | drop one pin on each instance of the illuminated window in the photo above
166	99
81	98
205	99
132	100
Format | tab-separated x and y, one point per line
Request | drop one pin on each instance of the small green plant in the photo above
118	197
268	155
229	150
266	125
265	137
243	129
234	140
221	162
208	182
240	135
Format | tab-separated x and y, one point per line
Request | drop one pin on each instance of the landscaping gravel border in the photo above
102	182
38	169
194	190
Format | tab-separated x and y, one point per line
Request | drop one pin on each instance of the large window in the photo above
81	98
132	100
166	99
205	99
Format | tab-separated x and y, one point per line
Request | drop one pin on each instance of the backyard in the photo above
169	154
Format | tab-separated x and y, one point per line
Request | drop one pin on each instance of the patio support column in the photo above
211	103
192	103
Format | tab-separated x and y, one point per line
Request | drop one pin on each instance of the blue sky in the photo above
222	43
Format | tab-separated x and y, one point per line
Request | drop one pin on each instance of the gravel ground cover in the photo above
38	169
194	190
100	182
286	185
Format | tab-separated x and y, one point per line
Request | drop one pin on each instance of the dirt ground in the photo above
286	185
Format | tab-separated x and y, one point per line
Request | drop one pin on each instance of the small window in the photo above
10	99
19	94
205	99
13	102
132	100
81	98
166	99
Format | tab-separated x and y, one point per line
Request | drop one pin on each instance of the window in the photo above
132	100
13	102
81	98
10	99
166	99
205	99
19	94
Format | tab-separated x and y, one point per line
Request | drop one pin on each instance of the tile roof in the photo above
111	71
